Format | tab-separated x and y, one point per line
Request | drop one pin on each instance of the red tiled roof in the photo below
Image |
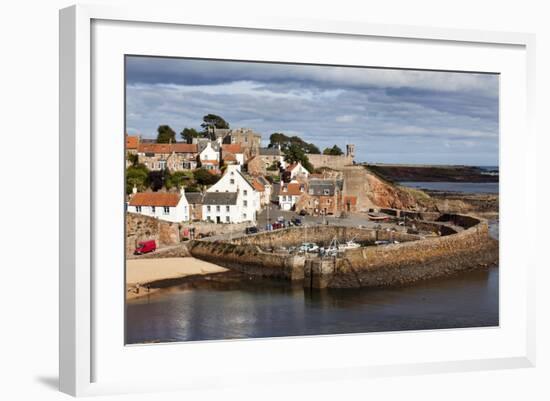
154	148
155	199
258	186
132	142
214	162
185	148
292	188
230	157
232	148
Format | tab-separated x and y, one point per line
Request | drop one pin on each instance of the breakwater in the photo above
414	258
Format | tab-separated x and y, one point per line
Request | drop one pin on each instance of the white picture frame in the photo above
81	345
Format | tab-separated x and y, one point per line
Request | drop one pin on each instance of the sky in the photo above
392	116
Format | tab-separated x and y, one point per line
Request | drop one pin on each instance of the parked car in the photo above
145	247
303	212
251	230
277	226
296	221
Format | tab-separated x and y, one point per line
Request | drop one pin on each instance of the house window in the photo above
326	191
138	209
207	208
245	203
166	210
311	191
244	215
227	219
162	164
227	208
217	208
232	181
153	209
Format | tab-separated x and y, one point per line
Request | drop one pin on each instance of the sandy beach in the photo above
143	271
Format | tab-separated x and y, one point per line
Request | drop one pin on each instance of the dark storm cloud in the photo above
391	115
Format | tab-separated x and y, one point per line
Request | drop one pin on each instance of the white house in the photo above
247	201
289	194
163	205
221	207
209	155
297	171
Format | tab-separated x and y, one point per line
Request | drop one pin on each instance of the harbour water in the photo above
214	308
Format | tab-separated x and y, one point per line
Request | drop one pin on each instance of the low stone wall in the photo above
321	234
143	228
205	228
249	259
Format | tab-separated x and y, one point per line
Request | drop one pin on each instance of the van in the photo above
145	247
251	230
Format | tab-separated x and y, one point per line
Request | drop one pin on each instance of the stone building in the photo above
161	156
271	155
323	197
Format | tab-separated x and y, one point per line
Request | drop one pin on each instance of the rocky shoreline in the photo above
399	173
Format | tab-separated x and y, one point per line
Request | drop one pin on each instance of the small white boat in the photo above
349	245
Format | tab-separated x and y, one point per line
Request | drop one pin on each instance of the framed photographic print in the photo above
298	200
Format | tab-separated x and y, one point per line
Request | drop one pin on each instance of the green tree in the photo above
213	120
204	177
295	154
334	151
165	134
188	134
284	141
179	179
138	176
132	158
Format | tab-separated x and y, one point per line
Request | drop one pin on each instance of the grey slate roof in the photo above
318	187
194	197
202	145
270	152
220	198
263	180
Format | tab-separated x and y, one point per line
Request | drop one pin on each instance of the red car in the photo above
277	226
145	247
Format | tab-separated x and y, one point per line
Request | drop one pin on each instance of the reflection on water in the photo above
218	309
230	306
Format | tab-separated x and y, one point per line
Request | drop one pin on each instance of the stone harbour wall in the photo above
404	263
413	259
249	259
